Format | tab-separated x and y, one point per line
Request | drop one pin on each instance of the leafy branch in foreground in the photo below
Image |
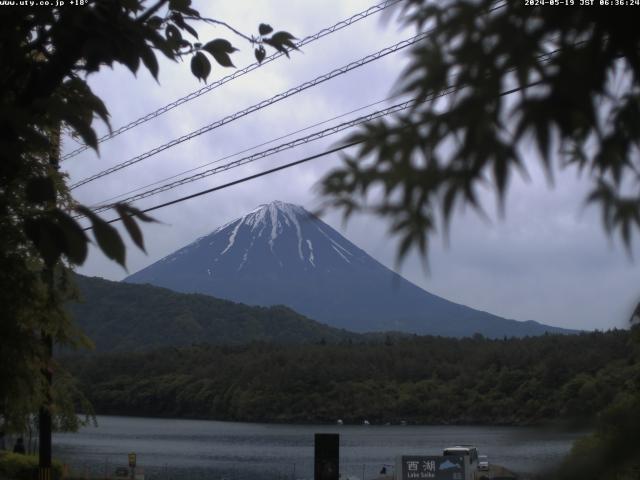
46	56
560	86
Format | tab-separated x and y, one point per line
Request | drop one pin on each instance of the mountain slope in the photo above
281	254
124	317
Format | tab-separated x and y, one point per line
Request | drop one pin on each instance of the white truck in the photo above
470	456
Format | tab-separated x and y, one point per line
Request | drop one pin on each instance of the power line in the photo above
258	106
288	165
231	155
242	180
237	73
184	172
245	150
277	149
265	153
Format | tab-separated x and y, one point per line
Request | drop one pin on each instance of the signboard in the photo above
132	460
327	456
420	467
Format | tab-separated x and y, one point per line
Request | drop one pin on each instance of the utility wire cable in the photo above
226	157
265	153
237	73
103	205
254	147
277	149
282	167
258	106
242	180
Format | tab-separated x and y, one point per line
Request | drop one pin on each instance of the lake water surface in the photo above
177	449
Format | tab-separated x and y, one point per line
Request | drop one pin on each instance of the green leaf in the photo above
107	237
191	30
179	21
260	53
41	190
265	29
200	66
82	128
220	50
138	213
155	22
130	224
130	58
161	44
76	241
283	38
179	5
174	37
109	241
448	202
98	106
183	6
280	41
223	59
47	237
636	314
219	45
95	51
81	97
150	61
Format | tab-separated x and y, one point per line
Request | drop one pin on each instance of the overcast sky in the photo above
547	260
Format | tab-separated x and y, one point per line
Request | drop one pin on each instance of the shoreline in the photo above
564	425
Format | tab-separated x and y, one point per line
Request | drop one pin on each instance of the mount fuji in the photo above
280	253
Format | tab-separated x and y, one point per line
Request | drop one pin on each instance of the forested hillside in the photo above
126	317
419	379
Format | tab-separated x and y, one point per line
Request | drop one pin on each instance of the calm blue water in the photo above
177	449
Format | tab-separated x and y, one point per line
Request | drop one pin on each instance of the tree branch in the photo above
224	24
153	9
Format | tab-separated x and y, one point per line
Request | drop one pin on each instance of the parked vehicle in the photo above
470	455
466	450
483	463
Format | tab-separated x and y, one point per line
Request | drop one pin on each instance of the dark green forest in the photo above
430	380
125	317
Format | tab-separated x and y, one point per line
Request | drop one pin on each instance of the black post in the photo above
44	415
327	456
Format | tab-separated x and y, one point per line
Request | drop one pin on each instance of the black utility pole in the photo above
44	415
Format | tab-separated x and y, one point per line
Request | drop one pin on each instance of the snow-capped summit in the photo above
280	253
277	235
282	226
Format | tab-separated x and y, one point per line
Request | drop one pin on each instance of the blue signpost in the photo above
422	467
